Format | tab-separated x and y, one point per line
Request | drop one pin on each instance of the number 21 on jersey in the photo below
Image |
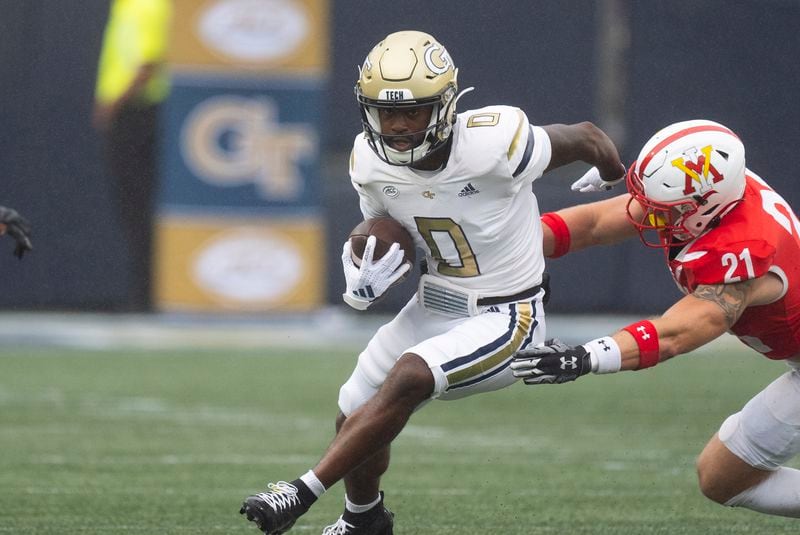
732	262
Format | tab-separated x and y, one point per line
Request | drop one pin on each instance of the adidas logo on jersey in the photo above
468	190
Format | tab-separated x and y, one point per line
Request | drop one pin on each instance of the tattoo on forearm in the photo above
729	297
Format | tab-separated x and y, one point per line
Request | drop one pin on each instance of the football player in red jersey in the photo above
732	245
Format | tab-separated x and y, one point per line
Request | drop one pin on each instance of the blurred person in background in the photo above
131	84
461	185
18	228
732	245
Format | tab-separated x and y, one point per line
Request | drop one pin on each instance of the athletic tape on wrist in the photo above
646	336
606	356
560	233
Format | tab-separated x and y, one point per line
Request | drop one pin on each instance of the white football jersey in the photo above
477	220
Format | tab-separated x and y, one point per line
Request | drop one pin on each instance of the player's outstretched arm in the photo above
598	223
689	324
587	143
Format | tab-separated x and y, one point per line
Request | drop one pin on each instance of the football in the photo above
386	231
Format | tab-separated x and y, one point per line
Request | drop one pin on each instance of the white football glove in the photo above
591	181
367	283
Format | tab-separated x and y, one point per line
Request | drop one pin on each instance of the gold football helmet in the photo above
408	69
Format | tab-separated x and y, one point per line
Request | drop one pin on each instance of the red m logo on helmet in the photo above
698	172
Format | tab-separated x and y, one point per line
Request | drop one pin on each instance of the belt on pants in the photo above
519	296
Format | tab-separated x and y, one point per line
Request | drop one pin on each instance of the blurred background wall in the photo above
631	67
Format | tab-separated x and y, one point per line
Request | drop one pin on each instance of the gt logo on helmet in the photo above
444	57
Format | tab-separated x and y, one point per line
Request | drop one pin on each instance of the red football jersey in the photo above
760	235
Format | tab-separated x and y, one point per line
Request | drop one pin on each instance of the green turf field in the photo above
169	443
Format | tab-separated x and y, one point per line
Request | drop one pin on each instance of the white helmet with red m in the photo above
687	177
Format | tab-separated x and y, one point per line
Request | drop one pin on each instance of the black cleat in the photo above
276	510
377	521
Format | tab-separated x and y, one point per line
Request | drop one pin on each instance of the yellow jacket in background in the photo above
137	34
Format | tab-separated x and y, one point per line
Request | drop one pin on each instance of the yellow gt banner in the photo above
207	263
279	36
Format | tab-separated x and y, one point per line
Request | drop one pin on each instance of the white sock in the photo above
353	508
313	484
779	494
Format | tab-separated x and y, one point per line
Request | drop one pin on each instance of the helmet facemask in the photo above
661	225
424	142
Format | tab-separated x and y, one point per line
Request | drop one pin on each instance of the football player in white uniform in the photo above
461	185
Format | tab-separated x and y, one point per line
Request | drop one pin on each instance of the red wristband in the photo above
560	233
646	336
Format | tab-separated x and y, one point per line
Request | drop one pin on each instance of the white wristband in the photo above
604	354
